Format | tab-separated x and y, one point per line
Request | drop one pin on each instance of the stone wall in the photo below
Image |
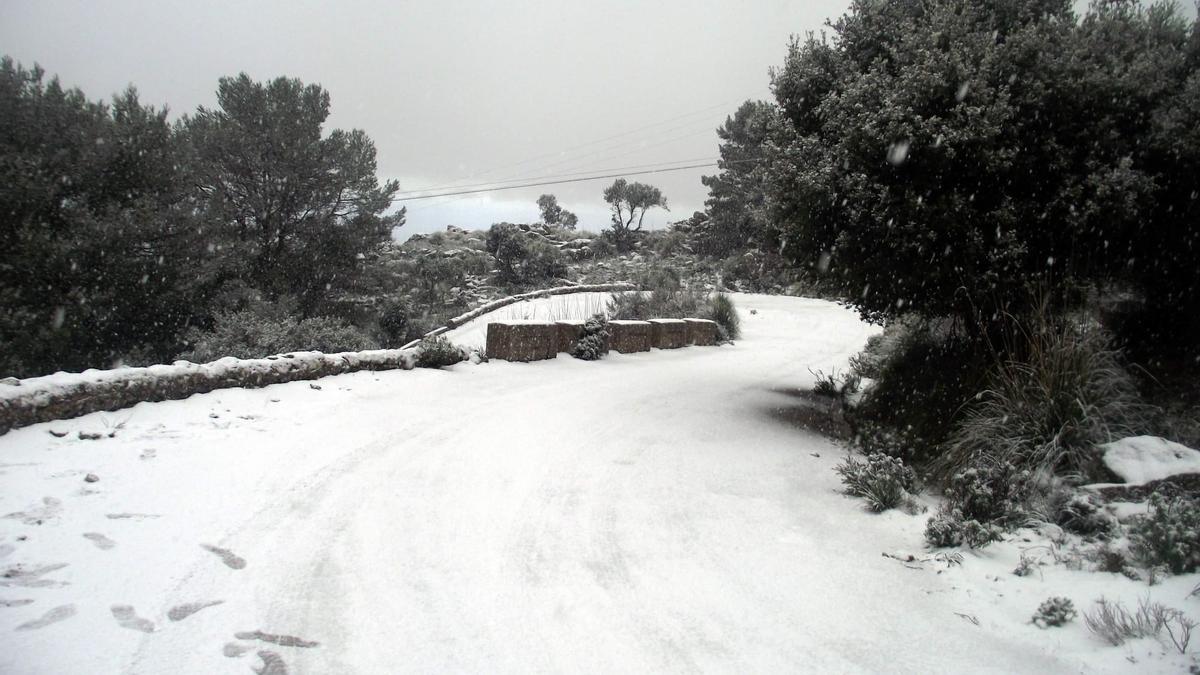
537	340
66	395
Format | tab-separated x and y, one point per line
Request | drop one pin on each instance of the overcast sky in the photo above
453	93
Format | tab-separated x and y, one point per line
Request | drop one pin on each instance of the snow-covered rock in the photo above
1141	459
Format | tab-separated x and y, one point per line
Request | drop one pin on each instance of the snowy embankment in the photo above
655	512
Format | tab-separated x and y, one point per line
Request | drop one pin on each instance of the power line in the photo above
554	182
415	193
594	142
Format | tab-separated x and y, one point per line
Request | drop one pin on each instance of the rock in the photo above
91	478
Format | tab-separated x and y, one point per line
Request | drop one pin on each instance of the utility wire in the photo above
554	182
417	193
594	142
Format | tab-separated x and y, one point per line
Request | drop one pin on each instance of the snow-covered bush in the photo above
254	333
1056	611
980	502
591	346
949	528
1169	534
881	480
437	351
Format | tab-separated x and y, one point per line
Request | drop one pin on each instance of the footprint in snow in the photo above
16	603
127	617
55	615
233	650
272	664
228	557
181	612
19	575
131	516
149	453
6	550
281	640
35	515
102	542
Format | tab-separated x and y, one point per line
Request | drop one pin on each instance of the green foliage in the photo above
522	258
296	208
950	528
398	325
594	342
883	481
1170	534
438	352
737	200
1056	611
922	375
630	202
553	214
935	158
98	248
263	331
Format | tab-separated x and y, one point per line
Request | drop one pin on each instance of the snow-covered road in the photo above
645	513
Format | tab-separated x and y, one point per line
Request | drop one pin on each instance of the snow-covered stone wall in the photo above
65	395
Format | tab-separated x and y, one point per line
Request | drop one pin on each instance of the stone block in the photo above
569	333
629	336
522	340
668	333
701	332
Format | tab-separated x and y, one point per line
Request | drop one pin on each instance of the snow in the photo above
1141	459
659	511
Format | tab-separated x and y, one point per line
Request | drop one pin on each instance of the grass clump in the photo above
1114	624
437	352
884	482
1059	391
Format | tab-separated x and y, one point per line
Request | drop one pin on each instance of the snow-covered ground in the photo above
648	512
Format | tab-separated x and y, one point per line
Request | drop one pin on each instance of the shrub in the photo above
1055	611
1170	534
922	373
437	351
1061	392
883	481
721	310
980	502
259	332
591	346
1114	624
398	325
989	493
1057	503
950	528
